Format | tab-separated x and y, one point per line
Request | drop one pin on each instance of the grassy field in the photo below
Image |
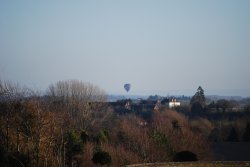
196	164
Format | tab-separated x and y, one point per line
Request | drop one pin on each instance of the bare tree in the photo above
10	95
83	101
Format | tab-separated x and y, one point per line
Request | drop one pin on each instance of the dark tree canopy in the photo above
246	135
233	136
223	104
197	108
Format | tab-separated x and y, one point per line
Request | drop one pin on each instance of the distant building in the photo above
171	103
127	105
157	105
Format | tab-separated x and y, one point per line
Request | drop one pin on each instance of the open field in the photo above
196	164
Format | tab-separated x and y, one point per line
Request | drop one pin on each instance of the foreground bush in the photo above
102	158
184	156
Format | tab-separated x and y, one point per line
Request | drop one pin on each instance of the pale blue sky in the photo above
159	46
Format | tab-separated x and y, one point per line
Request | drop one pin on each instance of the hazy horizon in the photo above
160	47
227	93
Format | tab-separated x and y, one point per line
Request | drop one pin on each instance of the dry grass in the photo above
197	164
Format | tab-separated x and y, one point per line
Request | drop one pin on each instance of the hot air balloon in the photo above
127	87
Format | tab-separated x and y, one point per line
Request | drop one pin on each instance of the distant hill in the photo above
218	97
113	98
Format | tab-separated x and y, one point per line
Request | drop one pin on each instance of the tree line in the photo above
73	125
228	120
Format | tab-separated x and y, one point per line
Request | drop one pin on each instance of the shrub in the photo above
3	157
102	158
185	156
19	159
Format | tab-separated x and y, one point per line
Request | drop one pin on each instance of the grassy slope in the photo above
197	164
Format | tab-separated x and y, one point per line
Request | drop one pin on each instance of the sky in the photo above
158	46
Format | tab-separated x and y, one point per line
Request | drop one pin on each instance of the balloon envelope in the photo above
127	87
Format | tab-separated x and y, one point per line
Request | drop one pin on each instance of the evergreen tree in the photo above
199	97
74	145
198	101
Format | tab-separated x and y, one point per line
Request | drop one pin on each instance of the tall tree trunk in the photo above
17	142
7	133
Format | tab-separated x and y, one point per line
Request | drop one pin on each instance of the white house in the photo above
173	103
